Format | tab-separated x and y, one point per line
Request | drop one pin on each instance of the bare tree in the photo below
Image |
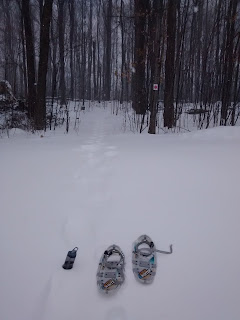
117	49
169	65
71	4
108	50
30	57
141	10
156	16
228	61
40	114
61	34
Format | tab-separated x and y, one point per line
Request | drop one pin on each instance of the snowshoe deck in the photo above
110	274
143	259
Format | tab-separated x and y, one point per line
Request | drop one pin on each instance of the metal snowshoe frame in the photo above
144	261
110	274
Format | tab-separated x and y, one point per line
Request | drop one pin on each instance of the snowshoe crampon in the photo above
144	262
110	274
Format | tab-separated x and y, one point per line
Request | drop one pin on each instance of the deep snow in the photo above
98	187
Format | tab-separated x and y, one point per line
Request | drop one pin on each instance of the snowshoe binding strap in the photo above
165	252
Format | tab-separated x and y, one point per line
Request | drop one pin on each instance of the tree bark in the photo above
169	65
141	8
229	62
30	57
108	52
61	31
156	18
89	76
40	114
72	27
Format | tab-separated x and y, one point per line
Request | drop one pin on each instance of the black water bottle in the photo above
70	258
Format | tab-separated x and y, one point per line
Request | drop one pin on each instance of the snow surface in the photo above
195	9
98	187
3	97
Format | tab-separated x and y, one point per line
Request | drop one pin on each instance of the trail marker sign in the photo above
155	86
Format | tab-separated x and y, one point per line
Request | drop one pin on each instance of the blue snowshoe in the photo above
144	262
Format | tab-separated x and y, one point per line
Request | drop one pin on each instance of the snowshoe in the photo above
143	259
110	274
144	262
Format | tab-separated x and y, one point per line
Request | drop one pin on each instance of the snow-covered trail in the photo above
98	188
59	197
70	292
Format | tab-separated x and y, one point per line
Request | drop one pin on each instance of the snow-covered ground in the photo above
98	186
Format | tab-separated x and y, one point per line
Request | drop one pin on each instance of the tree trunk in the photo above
94	71
108	52
156	18
72	27
61	30
169	65
40	114
123	66
141	8
229	62
89	76
30	58
25	92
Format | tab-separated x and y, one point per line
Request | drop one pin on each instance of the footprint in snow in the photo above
110	153
111	148
89	147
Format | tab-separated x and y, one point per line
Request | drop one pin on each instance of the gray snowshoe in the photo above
144	262
110	274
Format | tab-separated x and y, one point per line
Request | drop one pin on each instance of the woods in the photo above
121	111
105	50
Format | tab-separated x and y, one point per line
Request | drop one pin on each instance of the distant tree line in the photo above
118	49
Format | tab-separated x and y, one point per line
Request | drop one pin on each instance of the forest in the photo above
119	159
163	62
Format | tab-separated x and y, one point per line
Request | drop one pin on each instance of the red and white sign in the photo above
155	87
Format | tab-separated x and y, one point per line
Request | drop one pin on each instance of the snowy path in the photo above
98	188
69	290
